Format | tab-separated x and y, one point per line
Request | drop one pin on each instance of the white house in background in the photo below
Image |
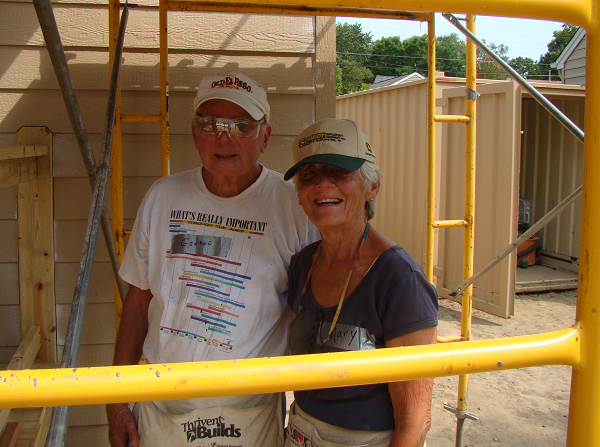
384	81
571	62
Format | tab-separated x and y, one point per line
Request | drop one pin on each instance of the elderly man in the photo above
207	266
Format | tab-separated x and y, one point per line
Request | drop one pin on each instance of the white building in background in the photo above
571	62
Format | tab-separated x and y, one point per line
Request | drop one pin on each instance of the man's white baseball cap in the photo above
335	142
237	88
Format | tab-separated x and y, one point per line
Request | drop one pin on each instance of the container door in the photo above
496	196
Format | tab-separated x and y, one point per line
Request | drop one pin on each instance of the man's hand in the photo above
128	351
121	426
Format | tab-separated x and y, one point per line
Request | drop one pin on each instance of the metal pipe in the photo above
469	234
431	96
136	383
47	21
584	405
551	108
449	223
58	423
451	119
263	8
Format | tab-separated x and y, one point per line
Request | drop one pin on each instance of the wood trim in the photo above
22	359
12	152
27	350
15	172
324	67
36	245
42	431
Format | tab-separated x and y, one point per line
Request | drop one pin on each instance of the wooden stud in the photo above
27	350
12	152
42	432
36	245
10	435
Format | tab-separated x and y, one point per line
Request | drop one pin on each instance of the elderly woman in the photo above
354	290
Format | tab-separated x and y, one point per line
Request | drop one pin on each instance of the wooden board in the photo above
36	246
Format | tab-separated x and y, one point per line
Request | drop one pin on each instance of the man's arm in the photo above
128	351
411	399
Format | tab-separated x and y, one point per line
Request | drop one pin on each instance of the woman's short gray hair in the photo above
370	174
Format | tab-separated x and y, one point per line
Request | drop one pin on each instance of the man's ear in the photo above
267	137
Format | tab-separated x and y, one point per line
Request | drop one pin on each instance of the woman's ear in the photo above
373	190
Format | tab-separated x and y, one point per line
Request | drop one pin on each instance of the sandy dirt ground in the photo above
521	407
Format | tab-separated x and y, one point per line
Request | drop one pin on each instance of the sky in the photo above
524	37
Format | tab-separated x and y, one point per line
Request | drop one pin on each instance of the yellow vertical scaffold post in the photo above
468	222
117	152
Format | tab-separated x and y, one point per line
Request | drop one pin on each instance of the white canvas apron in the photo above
303	430
212	427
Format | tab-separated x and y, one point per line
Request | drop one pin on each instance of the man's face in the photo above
224	156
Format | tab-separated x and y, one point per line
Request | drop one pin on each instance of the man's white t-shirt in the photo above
217	269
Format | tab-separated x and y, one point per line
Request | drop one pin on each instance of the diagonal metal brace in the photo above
460	414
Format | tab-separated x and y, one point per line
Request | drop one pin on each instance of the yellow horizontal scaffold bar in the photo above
449	223
451	119
576	12
86	386
140	118
261	8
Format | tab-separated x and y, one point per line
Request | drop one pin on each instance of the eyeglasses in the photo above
210	125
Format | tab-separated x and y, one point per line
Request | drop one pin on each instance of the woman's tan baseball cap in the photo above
237	88
331	141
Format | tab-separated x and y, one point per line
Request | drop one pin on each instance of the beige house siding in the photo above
282	53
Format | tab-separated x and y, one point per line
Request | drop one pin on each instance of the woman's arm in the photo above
412	399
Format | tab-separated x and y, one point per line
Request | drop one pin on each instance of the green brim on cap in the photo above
337	160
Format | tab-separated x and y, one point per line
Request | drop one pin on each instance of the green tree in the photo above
353	52
486	67
415	52
559	41
354	77
451	55
394	57
526	67
386	57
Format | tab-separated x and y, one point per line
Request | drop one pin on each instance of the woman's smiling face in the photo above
331	196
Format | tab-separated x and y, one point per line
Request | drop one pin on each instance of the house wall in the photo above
292	57
574	69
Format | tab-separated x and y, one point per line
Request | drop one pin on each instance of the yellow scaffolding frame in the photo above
578	347
469	119
120	233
